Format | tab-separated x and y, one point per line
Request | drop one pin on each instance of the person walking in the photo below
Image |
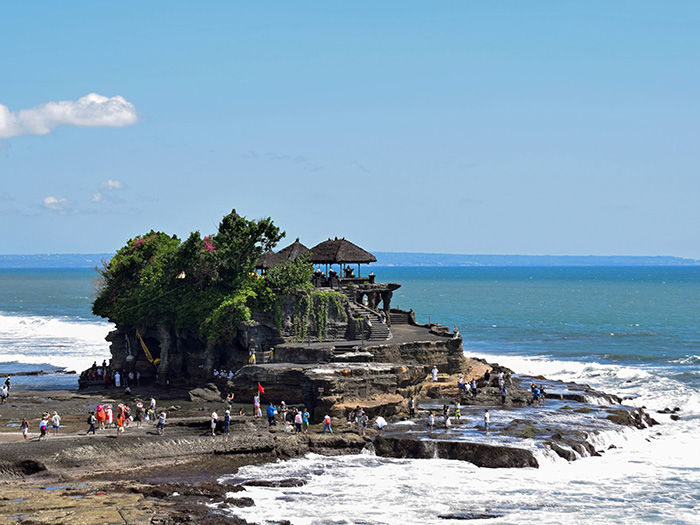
91	421
327	424
24	428
160	426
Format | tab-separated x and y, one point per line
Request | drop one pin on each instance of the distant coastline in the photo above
393	259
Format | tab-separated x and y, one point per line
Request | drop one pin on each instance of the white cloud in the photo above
54	204
90	110
97	197
112	185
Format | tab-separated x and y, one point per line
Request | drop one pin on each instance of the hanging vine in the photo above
312	311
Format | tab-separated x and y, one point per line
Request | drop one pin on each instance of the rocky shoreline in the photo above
141	477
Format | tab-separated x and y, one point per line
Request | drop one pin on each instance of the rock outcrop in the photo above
480	454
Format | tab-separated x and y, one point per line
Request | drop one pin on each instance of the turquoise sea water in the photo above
630	331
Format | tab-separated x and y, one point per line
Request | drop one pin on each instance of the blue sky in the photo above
450	127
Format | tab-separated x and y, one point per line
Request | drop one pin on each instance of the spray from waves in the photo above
652	387
62	342
365	489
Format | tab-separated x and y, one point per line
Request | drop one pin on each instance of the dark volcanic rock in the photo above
479	454
208	393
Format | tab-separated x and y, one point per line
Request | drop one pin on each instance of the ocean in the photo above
634	332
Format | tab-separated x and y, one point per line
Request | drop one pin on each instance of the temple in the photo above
326	348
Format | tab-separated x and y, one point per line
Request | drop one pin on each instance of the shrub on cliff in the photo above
205	284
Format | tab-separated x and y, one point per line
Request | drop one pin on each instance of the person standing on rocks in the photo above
411	407
160	426
435	374
327	424
271	411
381	423
473	385
305	420
431	421
487	420
214	419
298	421
55	423
256	406
24	428
227	421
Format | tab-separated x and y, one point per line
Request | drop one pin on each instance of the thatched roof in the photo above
290	253
267	260
340	251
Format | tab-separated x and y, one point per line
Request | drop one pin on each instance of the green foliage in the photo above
205	284
313	309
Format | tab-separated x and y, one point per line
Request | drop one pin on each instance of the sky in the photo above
510	127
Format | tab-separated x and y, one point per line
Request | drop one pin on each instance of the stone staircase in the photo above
379	331
399	318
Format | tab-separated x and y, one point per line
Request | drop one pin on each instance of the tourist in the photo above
327	424
91	421
445	411
55	423
431	421
127	414
487	420
117	380
460	383
487	377
435	374
109	415
214	419
227	421
473	385
283	411
455	333
543	394
229	400
298	421
356	417
271	411
119	421
411	407
256	406
458	410
152	405
100	415
305	420
160	426
8	384
140	413
359	418
43	425
24	427
4	394
535	395
504	392
381	423
241	412
364	422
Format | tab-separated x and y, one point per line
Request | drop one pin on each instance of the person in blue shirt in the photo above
271	412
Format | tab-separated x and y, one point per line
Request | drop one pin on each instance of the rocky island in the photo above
199	320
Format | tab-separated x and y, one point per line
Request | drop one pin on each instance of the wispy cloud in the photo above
110	184
60	205
92	110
